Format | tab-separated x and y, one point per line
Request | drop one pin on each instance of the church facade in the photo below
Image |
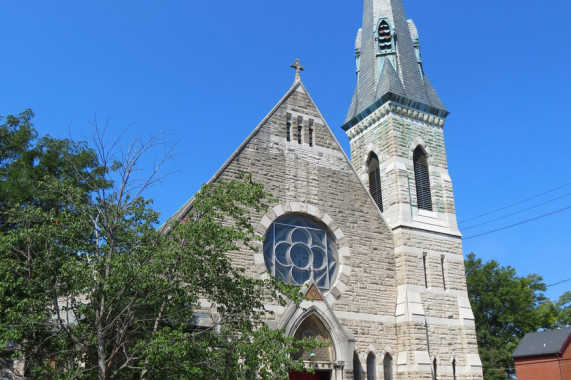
374	241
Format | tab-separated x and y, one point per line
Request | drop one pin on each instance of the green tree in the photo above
563	307
506	307
31	212
91	289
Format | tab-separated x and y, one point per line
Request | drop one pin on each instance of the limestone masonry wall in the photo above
400	290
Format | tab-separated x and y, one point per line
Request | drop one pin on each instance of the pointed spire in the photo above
388	39
297	68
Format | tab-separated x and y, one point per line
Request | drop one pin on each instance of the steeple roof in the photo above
392	74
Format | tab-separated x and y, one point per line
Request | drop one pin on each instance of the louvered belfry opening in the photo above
422	179
384	35
375	180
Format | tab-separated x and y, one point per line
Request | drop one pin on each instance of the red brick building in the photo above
544	355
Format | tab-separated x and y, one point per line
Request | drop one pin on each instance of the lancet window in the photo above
375	180
388	367
371	369
385	36
422	179
357	369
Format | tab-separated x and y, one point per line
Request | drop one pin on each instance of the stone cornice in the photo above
392	107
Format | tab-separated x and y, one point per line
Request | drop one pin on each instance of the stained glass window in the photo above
297	247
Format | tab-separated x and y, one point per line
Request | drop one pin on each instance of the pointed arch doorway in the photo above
320	359
309	376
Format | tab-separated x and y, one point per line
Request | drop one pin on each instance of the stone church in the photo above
373	241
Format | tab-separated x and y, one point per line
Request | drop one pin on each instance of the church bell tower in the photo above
395	127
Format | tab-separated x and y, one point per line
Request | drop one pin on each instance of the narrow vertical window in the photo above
375	180
454	369
443	277
371	370
421	177
310	132
288	123
384	36
356	367
299	129
388	367
434	369
424	268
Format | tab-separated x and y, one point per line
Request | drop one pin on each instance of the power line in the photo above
514	204
517	212
517	224
559	282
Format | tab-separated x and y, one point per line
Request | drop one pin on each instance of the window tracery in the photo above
297	248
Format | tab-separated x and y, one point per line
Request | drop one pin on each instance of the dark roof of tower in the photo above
403	77
389	81
543	343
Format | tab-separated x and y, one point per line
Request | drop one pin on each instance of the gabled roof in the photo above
389	81
543	343
334	144
186	207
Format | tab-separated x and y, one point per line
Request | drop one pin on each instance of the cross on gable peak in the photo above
298	68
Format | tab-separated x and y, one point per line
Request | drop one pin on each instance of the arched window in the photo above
421	177
298	247
357	369
454	369
434	369
388	367
375	180
371	370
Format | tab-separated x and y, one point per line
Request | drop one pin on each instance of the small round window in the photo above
297	247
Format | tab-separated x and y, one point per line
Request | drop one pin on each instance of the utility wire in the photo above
517	212
514	204
517	224
559	282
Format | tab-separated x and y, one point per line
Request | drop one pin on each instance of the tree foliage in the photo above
506	307
563	310
89	287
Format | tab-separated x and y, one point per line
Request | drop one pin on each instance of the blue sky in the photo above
206	73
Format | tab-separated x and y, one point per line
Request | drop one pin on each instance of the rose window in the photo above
297	248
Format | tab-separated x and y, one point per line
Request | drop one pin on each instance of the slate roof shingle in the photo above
408	80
